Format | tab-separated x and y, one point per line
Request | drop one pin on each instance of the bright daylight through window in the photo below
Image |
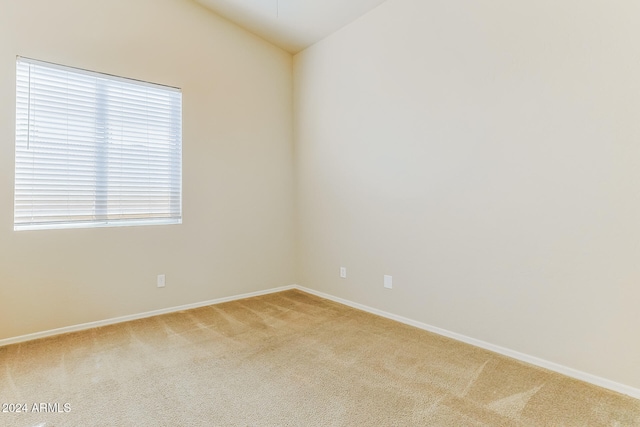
95	150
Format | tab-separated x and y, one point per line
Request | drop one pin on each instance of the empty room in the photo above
319	213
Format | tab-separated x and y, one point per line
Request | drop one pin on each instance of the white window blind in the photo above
95	150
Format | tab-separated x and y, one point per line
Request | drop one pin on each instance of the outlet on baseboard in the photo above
388	282
343	272
161	280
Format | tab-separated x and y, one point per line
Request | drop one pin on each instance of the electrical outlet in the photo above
161	280
388	282
343	272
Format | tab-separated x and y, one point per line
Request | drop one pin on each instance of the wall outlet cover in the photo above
388	282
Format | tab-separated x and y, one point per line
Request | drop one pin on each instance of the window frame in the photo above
103	215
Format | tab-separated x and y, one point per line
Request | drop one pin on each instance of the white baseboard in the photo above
564	370
570	372
113	321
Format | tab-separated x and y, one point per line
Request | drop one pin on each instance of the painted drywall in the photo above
486	155
237	232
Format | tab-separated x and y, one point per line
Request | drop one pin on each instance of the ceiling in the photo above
291	24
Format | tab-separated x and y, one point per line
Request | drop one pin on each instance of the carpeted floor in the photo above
286	359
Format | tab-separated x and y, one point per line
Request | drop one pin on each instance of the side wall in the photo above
237	233
487	156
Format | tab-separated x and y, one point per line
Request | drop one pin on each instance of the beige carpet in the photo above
286	359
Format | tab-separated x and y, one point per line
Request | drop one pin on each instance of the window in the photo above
95	150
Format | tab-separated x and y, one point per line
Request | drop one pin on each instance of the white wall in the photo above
487	155
237	232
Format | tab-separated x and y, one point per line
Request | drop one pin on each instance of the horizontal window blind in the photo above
95	150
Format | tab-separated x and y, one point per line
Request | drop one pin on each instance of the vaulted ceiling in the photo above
291	24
